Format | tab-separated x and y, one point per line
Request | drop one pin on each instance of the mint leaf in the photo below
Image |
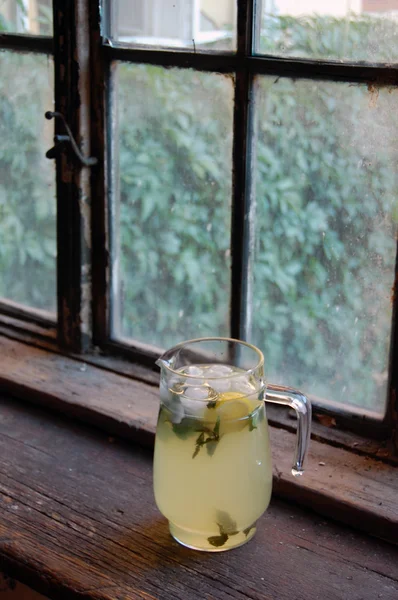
199	443
216	431
253	423
185	428
213	437
256	417
248	529
218	540
227	527
211	446
212	404
226	524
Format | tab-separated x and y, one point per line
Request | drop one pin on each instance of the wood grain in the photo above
337	483
78	520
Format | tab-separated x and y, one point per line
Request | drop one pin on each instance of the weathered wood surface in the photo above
43	356
78	520
337	483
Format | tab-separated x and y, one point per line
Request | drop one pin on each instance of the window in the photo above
245	184
173	23
27	179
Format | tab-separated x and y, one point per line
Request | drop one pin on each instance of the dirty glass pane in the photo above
171	259
27	182
325	220
26	16
342	30
194	24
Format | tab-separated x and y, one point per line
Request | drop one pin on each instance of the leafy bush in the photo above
175	186
324	266
325	187
27	186
355	38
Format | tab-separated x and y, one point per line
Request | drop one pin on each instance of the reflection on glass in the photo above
193	24
325	221
342	30
171	264
27	182
26	16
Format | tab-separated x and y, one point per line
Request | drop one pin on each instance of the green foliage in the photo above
14	20
27	202
325	186
175	164
355	38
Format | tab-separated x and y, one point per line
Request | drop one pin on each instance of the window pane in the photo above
171	242
355	30
325	219
26	16
27	181
193	24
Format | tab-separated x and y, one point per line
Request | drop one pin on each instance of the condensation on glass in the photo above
199	25
342	30
172	205
27	182
26	16
324	215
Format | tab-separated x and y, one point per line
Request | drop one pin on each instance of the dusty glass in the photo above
172	204
339	30
212	462
26	16
324	223
199	25
27	182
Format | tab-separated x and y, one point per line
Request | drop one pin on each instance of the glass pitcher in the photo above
212	461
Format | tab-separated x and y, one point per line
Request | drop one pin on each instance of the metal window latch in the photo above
61	140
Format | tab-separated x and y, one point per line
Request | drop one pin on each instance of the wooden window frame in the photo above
83	240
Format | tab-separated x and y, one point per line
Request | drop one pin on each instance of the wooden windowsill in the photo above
340	483
78	520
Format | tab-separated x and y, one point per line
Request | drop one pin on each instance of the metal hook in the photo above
60	140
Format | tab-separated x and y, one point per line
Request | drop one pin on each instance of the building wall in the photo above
336	8
380	5
221	12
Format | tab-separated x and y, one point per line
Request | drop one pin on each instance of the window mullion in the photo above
240	204
26	43
100	96
72	100
392	407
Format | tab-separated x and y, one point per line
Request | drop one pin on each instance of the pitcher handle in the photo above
301	404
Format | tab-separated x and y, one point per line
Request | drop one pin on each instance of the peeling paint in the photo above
373	90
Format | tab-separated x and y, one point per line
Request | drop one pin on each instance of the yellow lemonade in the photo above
212	464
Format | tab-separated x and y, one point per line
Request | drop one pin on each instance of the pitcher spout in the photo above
162	362
167	360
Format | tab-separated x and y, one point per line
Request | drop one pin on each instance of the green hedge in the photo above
325	216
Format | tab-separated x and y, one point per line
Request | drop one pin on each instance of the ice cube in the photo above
193	370
170	397
221	385
219	371
195	382
244	385
177	412
218	376
195	399
196	393
177	387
